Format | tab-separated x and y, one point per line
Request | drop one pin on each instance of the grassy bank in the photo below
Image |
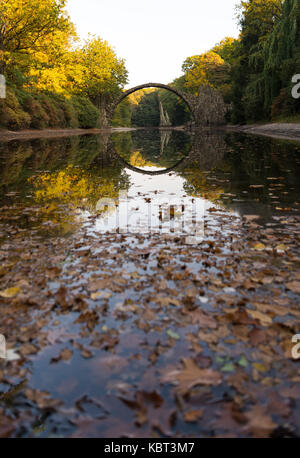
22	110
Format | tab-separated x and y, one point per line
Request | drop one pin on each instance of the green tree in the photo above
282	61
178	111
226	49
147	111
257	19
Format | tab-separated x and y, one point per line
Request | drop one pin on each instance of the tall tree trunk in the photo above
100	103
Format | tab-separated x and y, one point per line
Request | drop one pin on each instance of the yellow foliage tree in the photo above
205	69
28	26
97	72
72	186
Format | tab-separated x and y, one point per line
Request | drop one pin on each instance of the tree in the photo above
147	112
282	60
257	19
177	109
226	49
97	72
122	114
28	26
205	69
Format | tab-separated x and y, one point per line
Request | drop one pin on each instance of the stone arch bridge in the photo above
207	109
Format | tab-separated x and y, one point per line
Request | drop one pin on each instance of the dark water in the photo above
53	189
245	174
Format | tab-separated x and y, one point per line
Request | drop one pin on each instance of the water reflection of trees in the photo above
213	165
64	178
19	160
256	158
207	152
236	162
155	148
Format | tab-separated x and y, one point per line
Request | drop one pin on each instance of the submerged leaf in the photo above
172	334
10	292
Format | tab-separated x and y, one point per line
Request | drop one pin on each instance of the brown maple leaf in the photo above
294	286
260	422
191	375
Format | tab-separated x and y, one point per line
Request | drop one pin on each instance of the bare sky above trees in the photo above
155	37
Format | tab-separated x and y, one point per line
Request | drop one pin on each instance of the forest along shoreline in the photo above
287	131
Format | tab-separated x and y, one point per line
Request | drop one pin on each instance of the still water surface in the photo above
154	172
159	183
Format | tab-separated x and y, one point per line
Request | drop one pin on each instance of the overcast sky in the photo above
155	37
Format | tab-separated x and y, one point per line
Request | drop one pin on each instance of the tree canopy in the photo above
28	26
45	64
254	72
97	69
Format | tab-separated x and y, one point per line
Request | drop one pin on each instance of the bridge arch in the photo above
113	153
149	172
183	96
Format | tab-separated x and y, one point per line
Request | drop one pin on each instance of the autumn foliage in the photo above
53	80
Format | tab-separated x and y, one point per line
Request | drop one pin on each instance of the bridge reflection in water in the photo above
158	213
156	201
161	172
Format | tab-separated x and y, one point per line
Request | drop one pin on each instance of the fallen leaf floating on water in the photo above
173	334
193	416
229	367
260	422
191	375
259	247
250	218
262	317
66	354
10	292
294	286
28	349
281	248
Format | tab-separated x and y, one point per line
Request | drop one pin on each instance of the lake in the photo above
149	285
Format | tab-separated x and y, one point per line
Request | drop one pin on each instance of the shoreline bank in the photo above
32	134
280	131
284	131
8	135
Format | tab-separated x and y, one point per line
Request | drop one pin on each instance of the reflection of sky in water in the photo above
154	204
